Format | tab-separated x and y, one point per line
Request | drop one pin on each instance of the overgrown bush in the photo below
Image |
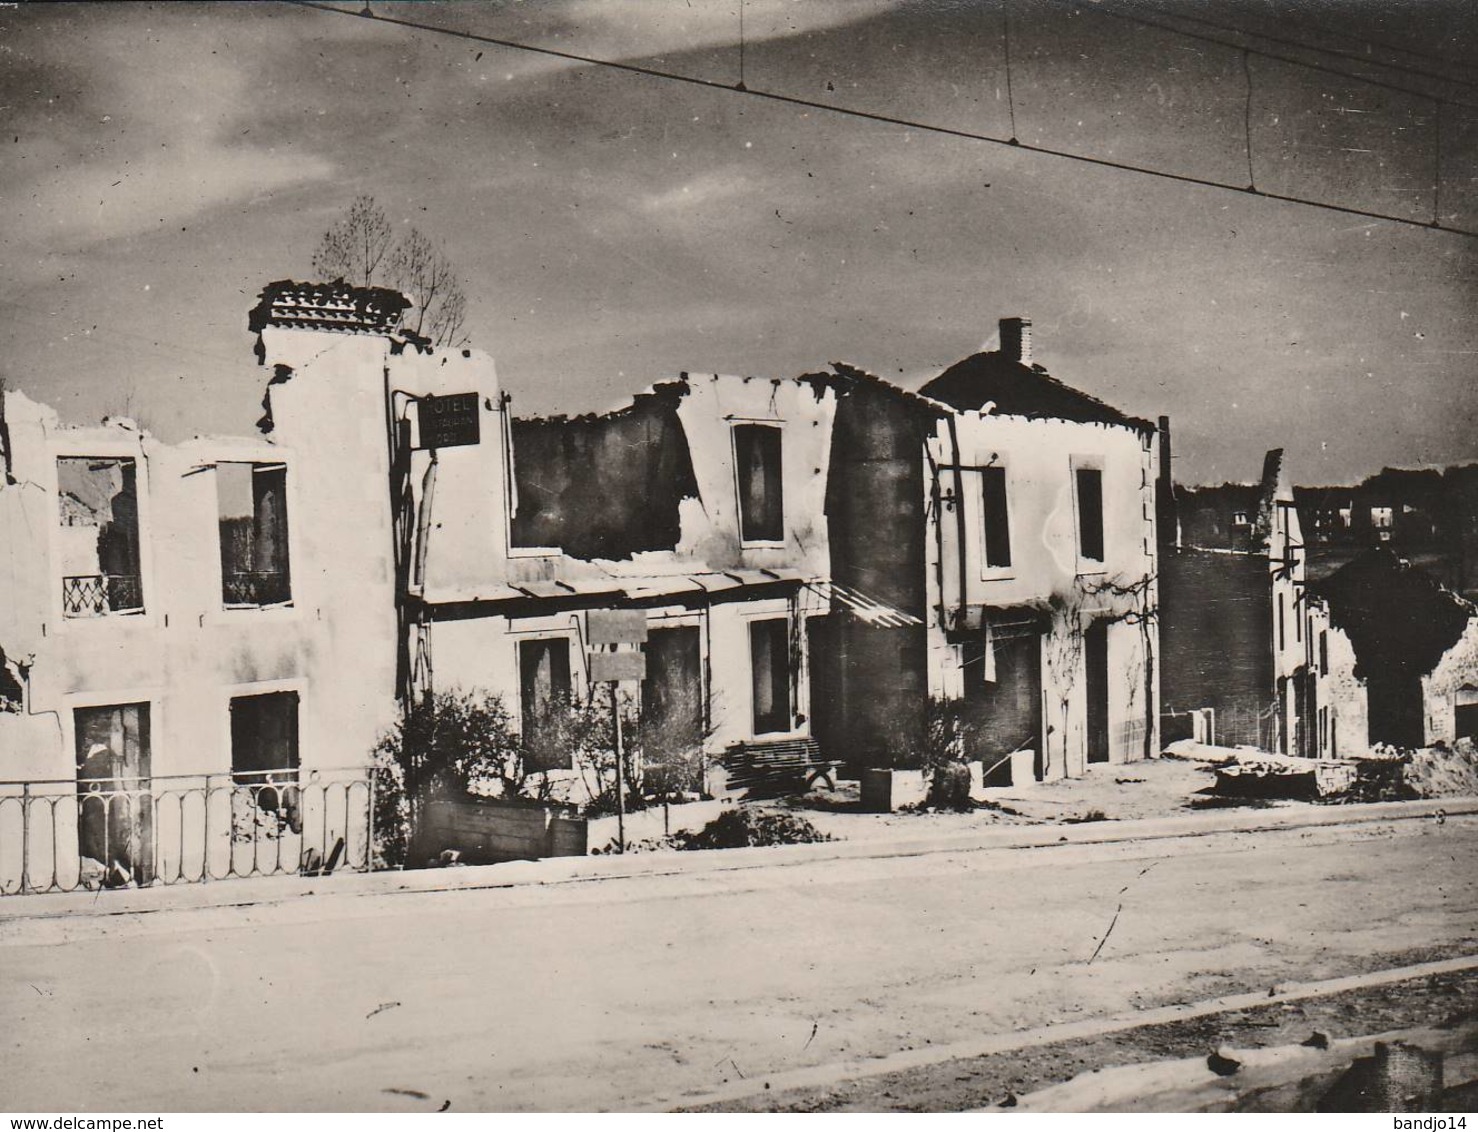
949	788
392	816
742	829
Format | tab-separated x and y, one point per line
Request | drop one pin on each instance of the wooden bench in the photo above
784	766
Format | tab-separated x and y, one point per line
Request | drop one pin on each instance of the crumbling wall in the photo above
1457	670
1215	642
1402	623
604	486
1339	690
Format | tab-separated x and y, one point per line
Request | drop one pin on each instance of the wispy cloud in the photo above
130	132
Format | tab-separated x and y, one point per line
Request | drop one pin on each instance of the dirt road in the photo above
620	994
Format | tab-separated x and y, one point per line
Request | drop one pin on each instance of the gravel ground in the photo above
984	1082
1153	788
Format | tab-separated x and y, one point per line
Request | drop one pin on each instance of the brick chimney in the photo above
1016	340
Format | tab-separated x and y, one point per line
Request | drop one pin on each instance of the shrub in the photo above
742	829
949	788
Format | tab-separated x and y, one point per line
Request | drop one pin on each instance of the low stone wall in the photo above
486	831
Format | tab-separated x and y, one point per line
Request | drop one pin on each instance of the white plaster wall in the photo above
1343	693
1458	668
1047	571
804	413
186	655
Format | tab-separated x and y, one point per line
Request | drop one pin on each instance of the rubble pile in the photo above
1442	771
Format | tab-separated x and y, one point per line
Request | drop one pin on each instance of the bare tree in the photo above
422	271
356	246
361	248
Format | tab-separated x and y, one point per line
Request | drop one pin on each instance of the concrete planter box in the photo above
885	791
486	831
598	835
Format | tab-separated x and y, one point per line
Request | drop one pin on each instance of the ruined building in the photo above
1415	648
1013	519
208	636
1248	649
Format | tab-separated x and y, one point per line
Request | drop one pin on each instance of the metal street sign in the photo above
607	666
448	421
617	626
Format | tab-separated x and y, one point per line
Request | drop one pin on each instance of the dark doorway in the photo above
769	656
1095	664
1306	711
1005	713
672	710
115	819
1465	715
544	698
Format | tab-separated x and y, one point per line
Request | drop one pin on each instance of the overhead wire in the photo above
894	120
1298	44
1321	68
1382	44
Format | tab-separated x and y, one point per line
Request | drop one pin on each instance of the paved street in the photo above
624	993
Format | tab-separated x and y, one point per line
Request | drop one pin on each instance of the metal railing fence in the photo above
60	835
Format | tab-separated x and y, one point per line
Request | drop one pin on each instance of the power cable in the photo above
888	119
1384	45
1201	38
1302	46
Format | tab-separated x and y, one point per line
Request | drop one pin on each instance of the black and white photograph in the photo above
738	556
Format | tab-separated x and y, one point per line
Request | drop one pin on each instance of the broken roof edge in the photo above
19	410
1341	596
335	306
670	391
845	372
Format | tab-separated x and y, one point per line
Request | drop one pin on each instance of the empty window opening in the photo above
115	811
672	711
1324	651
544	697
761	502
769	654
99	536
264	736
252	501
996	519
1465	714
1090	514
264	749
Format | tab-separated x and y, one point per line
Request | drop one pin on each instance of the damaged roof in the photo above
1019	390
328	306
1396	616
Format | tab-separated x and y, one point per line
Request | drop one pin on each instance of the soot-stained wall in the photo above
1215	639
603	486
874	681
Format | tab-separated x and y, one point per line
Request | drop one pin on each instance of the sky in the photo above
166	162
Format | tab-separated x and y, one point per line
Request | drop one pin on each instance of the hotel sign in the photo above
448	421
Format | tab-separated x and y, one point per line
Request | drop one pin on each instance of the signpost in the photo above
448	421
609	629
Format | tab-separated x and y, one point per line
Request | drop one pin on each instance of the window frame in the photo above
527	711
1087	564
778	428
787	713
291	694
288	540
1000	472
130	614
